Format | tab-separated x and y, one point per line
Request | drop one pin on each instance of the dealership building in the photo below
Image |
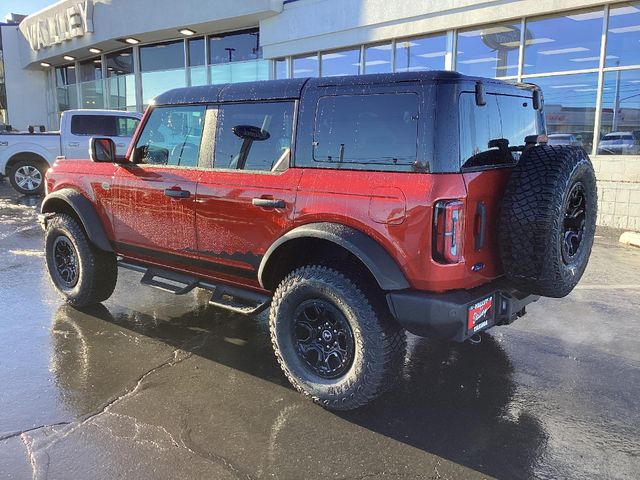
119	54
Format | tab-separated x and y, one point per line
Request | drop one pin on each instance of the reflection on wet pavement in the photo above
155	386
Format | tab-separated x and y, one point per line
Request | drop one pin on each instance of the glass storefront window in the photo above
305	66
620	115
162	56
491	51
623	37
196	51
196	61
566	42
425	53
66	89
120	80
341	62
119	63
281	68
91	88
163	68
235	46
377	58
248	71
569	106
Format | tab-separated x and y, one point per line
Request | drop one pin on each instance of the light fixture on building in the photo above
45	64
97	60
95	50
69	58
132	41
187	32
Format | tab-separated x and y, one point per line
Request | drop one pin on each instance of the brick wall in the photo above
618	191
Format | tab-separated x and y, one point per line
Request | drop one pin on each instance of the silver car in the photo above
619	143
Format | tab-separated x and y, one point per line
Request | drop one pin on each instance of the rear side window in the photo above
127	126
254	136
103	125
487	132
171	136
367	129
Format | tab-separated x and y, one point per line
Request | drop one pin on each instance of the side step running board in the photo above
169	281
236	299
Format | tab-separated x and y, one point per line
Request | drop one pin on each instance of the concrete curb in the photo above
630	238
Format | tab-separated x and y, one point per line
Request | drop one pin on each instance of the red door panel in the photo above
232	232
153	211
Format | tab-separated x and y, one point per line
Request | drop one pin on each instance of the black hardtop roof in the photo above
292	88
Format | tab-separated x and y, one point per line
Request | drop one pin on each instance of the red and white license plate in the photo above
480	314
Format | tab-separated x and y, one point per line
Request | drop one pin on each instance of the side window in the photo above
254	136
96	125
367	129
487	132
127	126
171	136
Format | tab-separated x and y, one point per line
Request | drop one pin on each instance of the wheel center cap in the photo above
327	336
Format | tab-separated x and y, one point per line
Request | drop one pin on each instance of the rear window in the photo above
487	132
103	125
367	129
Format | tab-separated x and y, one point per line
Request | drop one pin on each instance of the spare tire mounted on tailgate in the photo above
548	220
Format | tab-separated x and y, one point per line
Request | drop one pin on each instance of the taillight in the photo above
448	230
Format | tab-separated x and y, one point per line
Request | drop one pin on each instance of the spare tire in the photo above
548	220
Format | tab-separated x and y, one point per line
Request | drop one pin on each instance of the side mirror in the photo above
102	150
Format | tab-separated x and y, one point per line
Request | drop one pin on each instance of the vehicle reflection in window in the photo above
171	137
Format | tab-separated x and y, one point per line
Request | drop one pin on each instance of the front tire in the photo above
27	176
81	273
335	344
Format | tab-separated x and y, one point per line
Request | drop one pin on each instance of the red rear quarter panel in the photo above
396	209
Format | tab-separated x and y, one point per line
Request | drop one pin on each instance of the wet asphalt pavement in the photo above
156	386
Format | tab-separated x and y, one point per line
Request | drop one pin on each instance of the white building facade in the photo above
119	54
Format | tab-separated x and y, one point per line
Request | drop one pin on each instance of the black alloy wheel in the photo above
66	261
574	223
323	338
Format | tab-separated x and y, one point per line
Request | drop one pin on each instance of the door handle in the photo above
170	192
74	144
268	202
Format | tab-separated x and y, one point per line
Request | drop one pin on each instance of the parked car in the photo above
619	143
353	208
563	139
25	157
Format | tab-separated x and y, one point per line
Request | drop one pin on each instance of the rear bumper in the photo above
457	315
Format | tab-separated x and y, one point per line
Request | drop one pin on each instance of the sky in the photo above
22	6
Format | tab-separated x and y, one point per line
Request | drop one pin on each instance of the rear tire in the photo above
333	342
548	220
81	273
27	176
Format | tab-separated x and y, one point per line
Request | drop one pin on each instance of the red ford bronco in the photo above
354	208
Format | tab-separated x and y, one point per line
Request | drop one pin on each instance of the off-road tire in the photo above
532	224
97	270
380	343
38	165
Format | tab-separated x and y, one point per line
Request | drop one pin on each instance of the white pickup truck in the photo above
25	157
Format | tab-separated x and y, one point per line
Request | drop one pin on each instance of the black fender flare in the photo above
85	212
379	262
